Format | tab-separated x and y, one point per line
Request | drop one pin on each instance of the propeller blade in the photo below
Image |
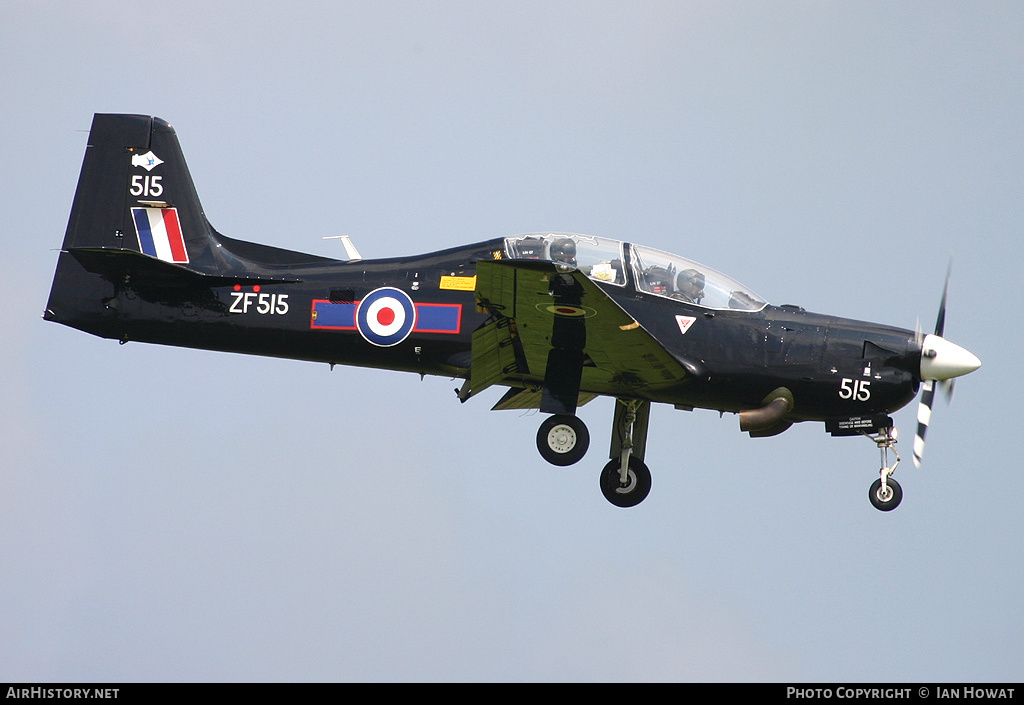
940	361
948	386
940	322
924	408
924	417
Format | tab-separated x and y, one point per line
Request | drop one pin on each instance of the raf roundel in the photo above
567	310
385	316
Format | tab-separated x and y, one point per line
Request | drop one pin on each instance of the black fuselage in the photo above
834	367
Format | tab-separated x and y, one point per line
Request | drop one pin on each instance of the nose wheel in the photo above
885	493
885	497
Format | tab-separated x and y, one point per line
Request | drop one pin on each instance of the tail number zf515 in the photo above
855	389
262	303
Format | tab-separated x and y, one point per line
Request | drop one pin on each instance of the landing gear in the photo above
625	480
563	439
885	497
626	489
885	493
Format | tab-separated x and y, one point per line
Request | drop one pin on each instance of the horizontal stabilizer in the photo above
115	265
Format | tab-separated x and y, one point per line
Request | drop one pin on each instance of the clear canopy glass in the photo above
652	271
598	257
670	275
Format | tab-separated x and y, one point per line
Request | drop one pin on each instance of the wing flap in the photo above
522	399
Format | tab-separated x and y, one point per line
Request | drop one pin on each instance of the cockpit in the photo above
647	269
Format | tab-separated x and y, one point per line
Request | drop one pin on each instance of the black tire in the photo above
634	491
563	439
881	502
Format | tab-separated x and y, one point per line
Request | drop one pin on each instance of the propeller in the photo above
941	361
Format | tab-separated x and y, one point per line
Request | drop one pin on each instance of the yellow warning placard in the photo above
458	283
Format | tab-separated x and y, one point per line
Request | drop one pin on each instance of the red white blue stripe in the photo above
430	318
160	234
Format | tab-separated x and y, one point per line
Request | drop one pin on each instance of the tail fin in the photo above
136	216
135	193
135	202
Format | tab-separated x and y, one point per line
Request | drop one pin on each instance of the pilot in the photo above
564	250
689	286
530	248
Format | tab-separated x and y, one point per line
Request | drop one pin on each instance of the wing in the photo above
536	308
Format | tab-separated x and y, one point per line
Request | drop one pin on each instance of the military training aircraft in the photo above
557	318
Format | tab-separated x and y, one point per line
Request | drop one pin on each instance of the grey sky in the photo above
168	514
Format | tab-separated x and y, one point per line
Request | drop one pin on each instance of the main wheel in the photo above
888	499
563	440
636	488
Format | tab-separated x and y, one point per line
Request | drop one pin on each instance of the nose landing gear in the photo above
885	493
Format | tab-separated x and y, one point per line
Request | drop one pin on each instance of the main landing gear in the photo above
885	493
628	487
563	439
625	481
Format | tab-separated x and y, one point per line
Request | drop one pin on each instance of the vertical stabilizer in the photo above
135	193
135	200
137	228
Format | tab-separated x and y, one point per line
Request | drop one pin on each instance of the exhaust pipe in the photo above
775	407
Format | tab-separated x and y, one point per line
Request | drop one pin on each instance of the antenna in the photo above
350	249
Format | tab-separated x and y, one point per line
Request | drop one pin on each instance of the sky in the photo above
177	515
